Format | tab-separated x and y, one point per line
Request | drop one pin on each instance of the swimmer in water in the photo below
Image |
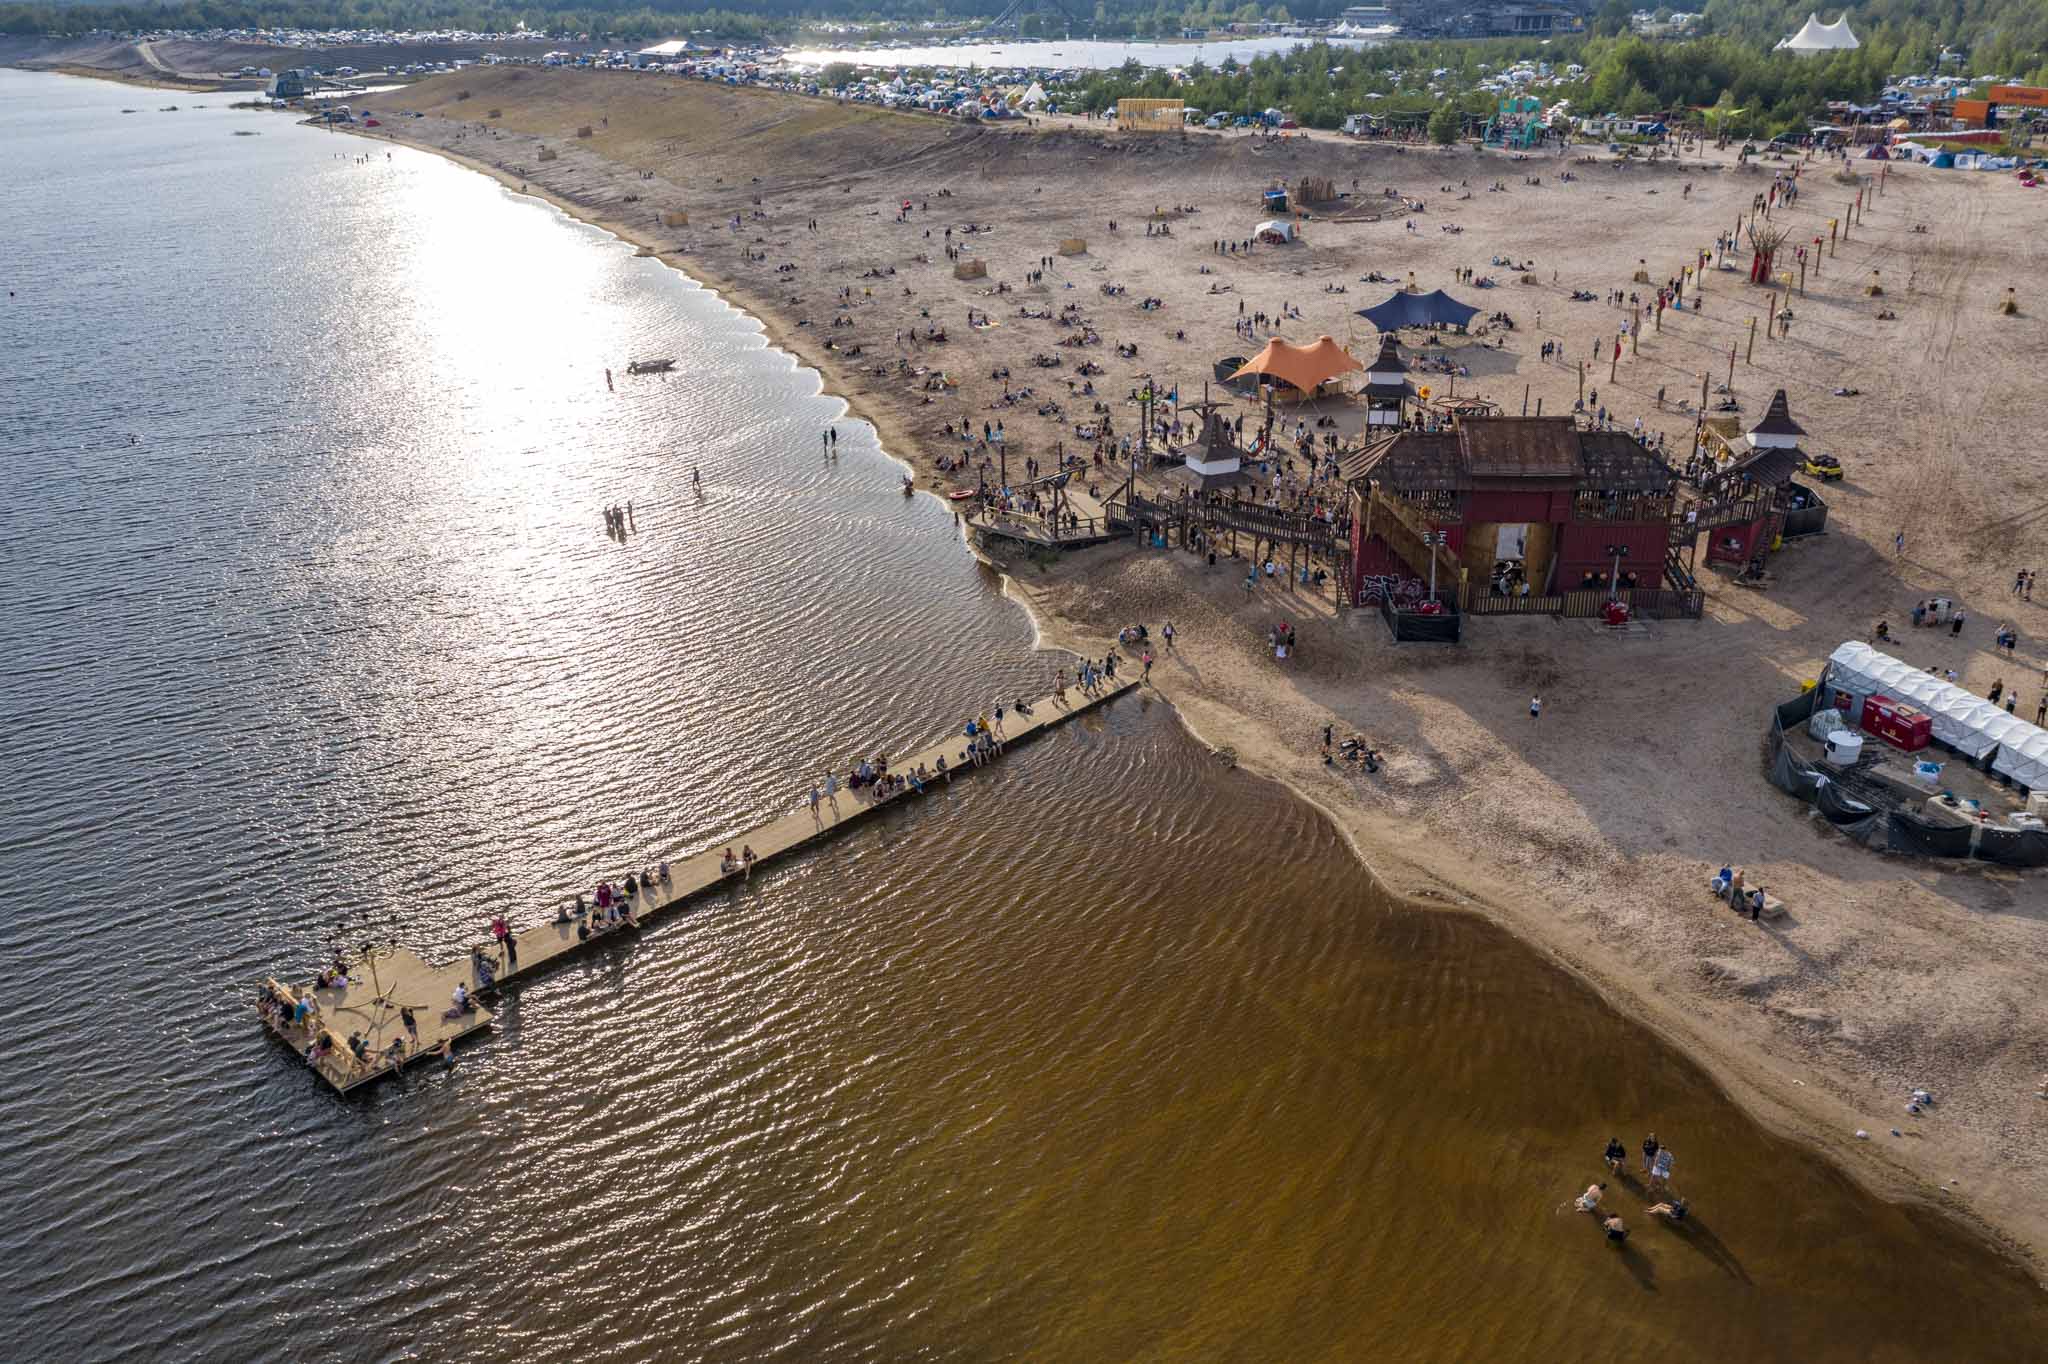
1615	1154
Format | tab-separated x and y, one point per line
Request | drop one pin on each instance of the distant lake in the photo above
1080	55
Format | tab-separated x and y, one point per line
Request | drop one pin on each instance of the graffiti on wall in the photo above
1392	587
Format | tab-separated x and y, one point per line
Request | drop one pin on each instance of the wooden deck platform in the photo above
380	982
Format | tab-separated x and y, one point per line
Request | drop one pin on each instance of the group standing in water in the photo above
1657	1162
619	523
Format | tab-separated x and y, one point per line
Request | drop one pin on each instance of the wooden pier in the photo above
382	980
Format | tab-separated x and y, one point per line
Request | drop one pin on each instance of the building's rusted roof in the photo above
1520	447
1491	450
1617	462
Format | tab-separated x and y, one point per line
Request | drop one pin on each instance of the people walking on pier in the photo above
503	933
999	721
747	860
832	792
412	1025
815	797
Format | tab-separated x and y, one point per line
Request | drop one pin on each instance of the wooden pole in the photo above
1582	382
1845	226
1614	362
1749	357
1703	395
1802	277
1731	367
1539	407
1525	400
1635	332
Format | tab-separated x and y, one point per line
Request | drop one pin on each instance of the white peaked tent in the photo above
1818	37
1033	97
1963	720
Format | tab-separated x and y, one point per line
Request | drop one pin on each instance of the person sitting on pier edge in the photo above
728	864
463	1003
664	873
563	914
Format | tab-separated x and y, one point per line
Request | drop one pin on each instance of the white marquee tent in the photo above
1818	37
1963	720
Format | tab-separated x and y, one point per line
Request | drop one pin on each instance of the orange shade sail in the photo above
1302	367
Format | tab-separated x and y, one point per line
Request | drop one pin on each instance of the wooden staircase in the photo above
1403	528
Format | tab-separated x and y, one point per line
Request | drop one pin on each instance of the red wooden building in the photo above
1525	508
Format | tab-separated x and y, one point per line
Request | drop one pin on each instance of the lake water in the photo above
311	634
1078	54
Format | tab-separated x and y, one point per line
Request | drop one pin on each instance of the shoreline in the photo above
1797	1109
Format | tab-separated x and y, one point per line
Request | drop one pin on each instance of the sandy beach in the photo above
1593	835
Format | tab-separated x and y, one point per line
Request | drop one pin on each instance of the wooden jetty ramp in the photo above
382	980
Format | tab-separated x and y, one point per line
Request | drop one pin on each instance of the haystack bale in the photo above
495	113
547	154
1642	277
1074	246
970	269
2009	306
1528	279
584	131
675	217
1874	289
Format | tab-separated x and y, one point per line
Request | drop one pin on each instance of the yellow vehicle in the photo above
1826	468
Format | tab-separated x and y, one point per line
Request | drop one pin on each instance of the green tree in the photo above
1444	125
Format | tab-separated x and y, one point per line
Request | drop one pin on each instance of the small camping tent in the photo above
1275	231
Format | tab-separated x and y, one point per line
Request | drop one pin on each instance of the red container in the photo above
1903	727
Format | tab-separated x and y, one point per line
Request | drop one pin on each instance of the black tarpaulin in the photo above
2014	847
1911	833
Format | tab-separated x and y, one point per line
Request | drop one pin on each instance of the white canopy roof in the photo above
1818	37
1284	231
1963	720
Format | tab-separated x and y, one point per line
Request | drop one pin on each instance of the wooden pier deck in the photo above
386	978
